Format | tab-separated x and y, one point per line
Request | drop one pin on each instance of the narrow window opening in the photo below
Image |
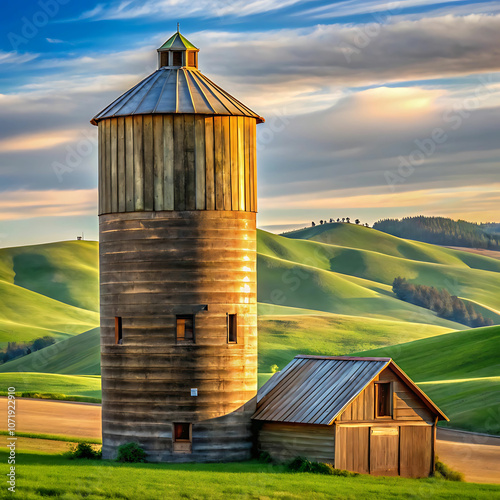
177	58
118	331
232	328
182	438
192	59
383	399
185	328
182	432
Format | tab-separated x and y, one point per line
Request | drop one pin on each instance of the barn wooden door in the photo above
351	449
416	451
384	451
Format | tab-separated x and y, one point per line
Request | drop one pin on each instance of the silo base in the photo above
224	439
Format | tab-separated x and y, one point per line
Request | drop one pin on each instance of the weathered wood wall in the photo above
177	162
284	441
154	265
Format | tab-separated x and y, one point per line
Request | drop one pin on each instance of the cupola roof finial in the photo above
178	27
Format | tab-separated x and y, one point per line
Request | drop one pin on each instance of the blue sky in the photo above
374	109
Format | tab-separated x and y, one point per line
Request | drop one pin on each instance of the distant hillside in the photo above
78	355
459	371
443	231
48	290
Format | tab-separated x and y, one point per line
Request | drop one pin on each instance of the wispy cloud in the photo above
54	40
15	57
172	9
37	141
345	55
23	204
355	7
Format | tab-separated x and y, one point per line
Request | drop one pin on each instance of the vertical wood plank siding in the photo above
181	162
153	266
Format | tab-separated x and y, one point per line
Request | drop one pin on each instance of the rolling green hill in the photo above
323	290
48	290
460	371
78	355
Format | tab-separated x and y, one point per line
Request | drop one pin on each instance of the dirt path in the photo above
494	254
477	456
55	417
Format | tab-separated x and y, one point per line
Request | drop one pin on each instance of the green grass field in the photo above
43	383
43	475
281	337
459	371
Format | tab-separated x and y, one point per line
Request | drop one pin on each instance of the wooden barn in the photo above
360	414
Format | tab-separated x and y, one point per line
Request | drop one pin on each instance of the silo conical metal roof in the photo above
182	90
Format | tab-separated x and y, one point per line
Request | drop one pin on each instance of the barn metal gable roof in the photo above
180	90
316	389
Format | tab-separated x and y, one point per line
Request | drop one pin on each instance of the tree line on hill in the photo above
344	219
15	350
446	306
443	231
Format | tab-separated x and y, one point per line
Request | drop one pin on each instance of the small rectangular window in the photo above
182	438
182	432
118	330
177	56
185	328
192	59
232	328
383	399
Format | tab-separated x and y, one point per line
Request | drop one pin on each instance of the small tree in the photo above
321	221
357	221
343	219
313	224
348	220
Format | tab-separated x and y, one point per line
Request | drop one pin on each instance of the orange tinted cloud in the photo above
40	140
24	204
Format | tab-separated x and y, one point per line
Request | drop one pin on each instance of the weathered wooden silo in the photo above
177	207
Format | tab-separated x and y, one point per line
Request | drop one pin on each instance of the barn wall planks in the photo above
416	451
155	265
284	441
407	406
181	162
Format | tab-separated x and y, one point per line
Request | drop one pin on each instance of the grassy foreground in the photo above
41	476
